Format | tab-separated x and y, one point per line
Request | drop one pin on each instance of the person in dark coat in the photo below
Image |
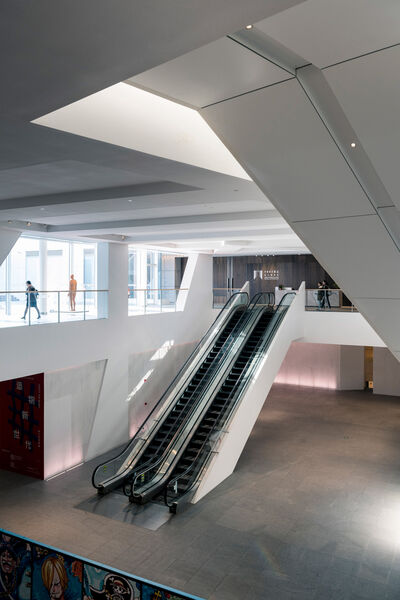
320	296
31	299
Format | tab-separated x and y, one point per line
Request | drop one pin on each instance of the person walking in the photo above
31	299
73	284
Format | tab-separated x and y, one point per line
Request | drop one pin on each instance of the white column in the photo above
351	368
43	275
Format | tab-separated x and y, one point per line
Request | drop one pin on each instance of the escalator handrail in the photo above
255	299
222	316
268	336
202	405
213	367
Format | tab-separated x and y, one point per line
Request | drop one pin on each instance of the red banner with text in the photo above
22	425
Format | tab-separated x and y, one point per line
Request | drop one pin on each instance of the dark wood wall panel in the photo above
291	270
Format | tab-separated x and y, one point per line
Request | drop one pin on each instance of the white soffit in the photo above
368	89
352	250
212	73
329	31
384	315
132	118
289	153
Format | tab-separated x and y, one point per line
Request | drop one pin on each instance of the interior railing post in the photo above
58	308
84	305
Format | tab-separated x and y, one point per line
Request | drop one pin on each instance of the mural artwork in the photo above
15	568
21	425
102	585
153	593
55	576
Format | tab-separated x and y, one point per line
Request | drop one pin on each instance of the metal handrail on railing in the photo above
175	387
35	297
279	313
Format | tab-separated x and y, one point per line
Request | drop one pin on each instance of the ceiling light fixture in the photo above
249	26
129	199
353	144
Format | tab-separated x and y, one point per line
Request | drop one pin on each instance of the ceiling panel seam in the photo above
341	62
373	214
263	87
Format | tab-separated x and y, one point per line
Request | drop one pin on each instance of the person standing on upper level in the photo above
73	284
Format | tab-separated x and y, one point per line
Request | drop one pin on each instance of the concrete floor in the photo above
312	511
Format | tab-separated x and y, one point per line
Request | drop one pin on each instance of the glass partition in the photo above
19	308
328	300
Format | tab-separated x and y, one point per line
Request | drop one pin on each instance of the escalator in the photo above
173	408
187	473
149	479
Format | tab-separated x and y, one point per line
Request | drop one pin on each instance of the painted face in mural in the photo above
7	562
55	577
56	591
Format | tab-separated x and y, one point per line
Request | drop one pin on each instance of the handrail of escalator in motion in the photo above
162	440
144	483
110	470
182	487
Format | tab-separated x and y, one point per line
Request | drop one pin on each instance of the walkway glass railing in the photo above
328	300
28	564
155	300
51	306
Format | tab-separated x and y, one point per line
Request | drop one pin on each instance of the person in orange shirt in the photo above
73	284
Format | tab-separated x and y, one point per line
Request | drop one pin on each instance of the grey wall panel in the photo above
212	73
328	31
358	253
368	89
383	315
276	134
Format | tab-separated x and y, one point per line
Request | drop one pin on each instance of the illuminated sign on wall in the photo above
266	274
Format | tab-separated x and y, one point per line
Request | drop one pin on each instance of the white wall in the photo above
386	373
56	347
328	366
351	368
150	373
339	328
313	365
71	397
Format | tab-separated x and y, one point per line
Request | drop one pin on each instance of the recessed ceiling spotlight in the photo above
28	223
353	144
42	208
249	26
129	199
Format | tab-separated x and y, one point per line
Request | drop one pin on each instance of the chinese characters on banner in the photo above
21	425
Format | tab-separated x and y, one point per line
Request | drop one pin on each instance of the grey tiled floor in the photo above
311	512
